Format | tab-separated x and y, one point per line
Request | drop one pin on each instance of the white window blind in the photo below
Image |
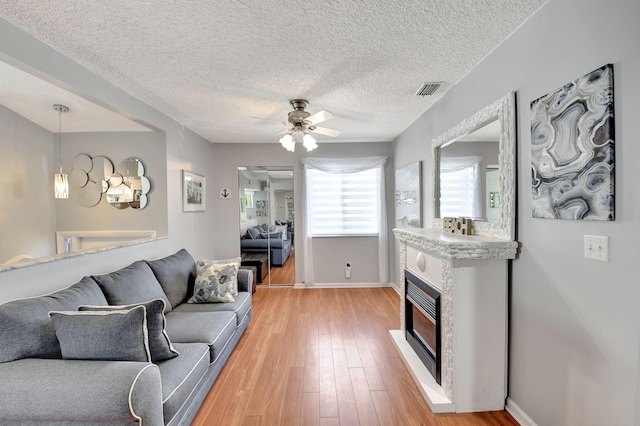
457	189
344	203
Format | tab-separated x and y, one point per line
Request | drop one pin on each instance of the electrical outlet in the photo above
347	271
596	248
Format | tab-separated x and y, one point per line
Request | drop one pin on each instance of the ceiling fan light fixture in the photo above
300	122
288	143
309	142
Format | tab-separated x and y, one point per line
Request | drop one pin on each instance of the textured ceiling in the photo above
228	68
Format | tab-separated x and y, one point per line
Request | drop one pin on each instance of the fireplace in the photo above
422	319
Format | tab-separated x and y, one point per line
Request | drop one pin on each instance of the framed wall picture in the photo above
407	198
193	192
572	150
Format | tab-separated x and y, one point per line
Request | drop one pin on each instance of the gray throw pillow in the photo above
115	335
134	284
159	344
176	274
253	233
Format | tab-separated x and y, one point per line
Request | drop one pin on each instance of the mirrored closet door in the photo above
267	228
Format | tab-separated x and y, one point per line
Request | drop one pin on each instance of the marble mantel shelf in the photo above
457	246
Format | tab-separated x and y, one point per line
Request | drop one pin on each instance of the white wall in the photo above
575	323
225	175
27	213
184	150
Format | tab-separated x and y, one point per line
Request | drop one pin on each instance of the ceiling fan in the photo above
300	122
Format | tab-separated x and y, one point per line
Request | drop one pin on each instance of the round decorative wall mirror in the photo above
128	185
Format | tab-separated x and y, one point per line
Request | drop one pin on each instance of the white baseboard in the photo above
343	285
517	413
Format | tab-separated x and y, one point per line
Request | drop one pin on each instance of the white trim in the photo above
342	285
99	239
518	414
133	384
432	392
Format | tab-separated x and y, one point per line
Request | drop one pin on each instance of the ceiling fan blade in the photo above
319	117
326	131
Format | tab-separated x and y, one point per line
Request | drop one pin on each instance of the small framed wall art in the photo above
193	192
407	197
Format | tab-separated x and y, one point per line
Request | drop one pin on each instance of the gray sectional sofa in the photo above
61	374
258	240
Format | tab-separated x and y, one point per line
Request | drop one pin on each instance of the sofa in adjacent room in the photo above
136	346
262	239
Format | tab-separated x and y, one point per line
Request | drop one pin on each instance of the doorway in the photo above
267	226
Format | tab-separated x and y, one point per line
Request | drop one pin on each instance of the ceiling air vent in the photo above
428	89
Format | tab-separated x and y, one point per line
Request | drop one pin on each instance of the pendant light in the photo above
61	180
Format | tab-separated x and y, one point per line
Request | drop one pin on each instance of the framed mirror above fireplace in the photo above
471	146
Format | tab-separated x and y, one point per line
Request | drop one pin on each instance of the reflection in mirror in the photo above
474	170
129	187
266	213
463	179
88	176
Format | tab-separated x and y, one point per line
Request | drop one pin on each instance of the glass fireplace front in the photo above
422	319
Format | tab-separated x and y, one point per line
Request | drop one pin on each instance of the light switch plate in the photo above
596	248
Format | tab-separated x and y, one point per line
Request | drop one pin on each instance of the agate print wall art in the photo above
572	150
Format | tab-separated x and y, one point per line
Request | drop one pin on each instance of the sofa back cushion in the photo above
176	274
26	330
134	284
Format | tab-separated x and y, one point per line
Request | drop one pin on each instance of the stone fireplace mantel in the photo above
471	274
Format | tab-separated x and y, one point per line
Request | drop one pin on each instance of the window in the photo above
457	193
344	203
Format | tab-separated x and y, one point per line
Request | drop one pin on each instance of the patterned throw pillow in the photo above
216	281
283	230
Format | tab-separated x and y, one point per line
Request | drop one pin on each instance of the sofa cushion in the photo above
26	330
253	233
266	235
159	344
119	335
240	307
181	375
216	280
213	328
134	284
176	274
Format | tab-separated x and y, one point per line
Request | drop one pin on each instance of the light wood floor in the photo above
285	274
323	357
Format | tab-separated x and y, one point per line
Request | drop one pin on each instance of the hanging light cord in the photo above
60	139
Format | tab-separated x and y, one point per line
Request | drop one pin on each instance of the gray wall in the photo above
27	208
184	150
150	148
225	175
575	323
